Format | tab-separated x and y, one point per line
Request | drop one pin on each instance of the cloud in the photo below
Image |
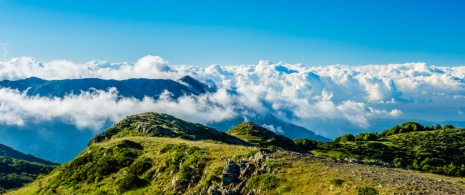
355	95
94	109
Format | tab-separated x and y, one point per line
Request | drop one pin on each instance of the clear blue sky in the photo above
236	32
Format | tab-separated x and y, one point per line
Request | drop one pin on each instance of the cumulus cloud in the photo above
356	95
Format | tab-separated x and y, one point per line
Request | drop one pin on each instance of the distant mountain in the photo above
17	169
196	86
6	151
59	141
136	88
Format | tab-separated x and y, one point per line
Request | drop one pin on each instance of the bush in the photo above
129	181
367	191
337	182
140	166
265	181
306	144
345	138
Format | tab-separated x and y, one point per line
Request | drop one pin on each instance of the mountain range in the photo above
60	141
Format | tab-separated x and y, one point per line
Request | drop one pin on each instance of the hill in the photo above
163	125
6	151
17	169
262	137
430	149
278	126
133	162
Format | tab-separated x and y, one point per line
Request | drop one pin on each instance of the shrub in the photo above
129	181
337	182
367	191
141	165
306	144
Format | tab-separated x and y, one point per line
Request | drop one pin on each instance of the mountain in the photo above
17	169
6	151
163	125
259	136
131	161
136	88
59	140
274	124
196	86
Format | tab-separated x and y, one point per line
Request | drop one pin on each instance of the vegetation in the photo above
367	191
409	145
259	136
129	159
17	169
163	125
337	182
266	182
306	144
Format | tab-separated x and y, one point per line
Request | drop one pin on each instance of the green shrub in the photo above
337	182
129	181
140	166
367	191
265	181
306	144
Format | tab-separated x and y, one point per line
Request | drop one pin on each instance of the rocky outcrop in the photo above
236	174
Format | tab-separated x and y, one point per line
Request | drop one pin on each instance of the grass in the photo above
153	156
182	159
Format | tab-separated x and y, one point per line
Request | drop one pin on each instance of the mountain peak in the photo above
152	124
251	132
260	136
195	85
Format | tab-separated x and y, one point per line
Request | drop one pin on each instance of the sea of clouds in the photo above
354	95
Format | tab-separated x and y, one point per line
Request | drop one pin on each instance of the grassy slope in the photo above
418	150
152	147
17	169
259	136
297	174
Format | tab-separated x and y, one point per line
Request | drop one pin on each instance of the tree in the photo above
370	137
344	138
438	126
306	144
448	126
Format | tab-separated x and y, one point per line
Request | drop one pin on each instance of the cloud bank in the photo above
353	95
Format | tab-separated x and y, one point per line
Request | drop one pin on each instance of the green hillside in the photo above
163	125
187	158
17	169
259	136
439	150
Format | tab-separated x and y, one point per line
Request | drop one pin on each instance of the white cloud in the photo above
293	92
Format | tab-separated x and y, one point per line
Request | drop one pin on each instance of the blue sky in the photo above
236	32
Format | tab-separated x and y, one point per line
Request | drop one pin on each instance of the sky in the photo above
202	33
